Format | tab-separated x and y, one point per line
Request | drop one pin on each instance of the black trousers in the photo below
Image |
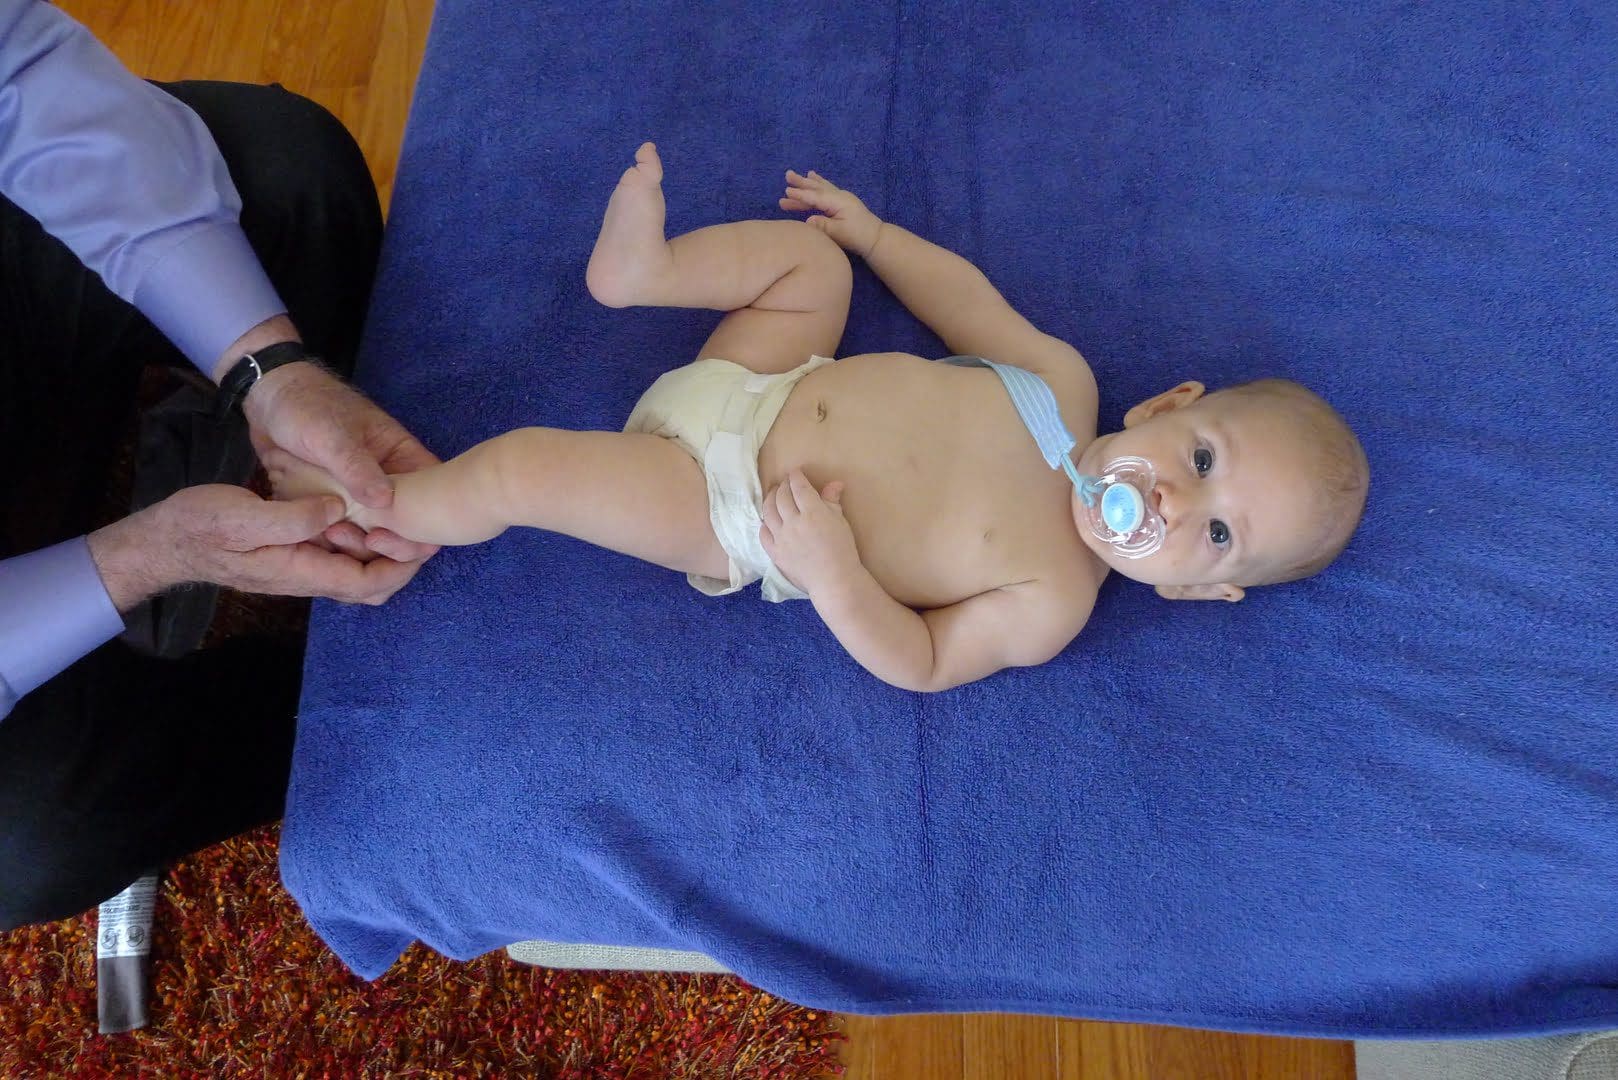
124	762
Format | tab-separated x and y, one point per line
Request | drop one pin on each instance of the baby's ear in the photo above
1232	593
1167	401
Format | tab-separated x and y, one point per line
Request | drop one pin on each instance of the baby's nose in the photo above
1161	504
1175	504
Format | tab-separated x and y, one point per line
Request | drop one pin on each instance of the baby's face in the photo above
1231	487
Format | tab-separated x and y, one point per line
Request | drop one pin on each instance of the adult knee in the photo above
306	157
282	148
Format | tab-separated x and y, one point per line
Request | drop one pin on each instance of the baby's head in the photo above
1256	484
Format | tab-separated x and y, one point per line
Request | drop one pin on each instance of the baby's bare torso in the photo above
946	492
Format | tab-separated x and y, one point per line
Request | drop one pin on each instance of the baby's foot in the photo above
293	478
631	255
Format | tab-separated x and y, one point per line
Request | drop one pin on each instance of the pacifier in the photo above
1116	507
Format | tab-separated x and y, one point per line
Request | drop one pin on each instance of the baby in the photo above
946	519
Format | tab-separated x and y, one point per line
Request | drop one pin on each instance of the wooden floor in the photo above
1002	1047
359	59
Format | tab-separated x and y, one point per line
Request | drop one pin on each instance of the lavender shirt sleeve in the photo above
53	610
129	179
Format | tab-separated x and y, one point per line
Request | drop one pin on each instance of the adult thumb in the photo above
276	523
358	471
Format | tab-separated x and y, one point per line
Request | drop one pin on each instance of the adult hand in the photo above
310	413
229	536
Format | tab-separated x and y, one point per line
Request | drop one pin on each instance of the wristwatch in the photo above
251	368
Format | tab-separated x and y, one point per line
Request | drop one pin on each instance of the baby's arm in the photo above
809	541
945	647
943	290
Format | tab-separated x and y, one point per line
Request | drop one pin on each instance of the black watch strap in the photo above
251	368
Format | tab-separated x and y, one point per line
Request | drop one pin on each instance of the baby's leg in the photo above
453	503
638	494
785	284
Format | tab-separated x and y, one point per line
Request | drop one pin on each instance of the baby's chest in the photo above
947	537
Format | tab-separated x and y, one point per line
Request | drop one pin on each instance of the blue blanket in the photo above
1380	802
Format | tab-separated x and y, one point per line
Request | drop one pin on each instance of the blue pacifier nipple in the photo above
1116	509
1122	508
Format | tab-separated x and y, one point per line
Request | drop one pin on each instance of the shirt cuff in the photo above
206	292
53	610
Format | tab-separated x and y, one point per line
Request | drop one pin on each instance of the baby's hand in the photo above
804	532
840	214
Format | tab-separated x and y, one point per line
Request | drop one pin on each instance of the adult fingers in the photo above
313	571
243	524
349	539
391	544
384	577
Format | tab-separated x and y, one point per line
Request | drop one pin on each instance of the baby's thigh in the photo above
643	495
801	315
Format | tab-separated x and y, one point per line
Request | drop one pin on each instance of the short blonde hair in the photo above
1336	460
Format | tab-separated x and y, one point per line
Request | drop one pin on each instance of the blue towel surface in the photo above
1383	801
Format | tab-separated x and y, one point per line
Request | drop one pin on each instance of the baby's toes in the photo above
292	478
276	464
648	166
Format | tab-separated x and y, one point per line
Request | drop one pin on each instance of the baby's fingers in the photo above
810	197
784	501
804	494
771	512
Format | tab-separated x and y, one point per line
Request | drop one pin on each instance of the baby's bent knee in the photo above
822	257
816	244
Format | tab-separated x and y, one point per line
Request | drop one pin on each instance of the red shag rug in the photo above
242	987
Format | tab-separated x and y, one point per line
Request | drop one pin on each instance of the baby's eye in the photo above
1219	532
1202	458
